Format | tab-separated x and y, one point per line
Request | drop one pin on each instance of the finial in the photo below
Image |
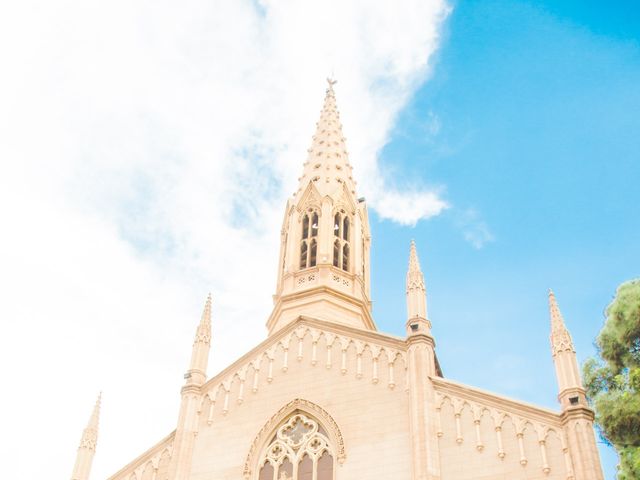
331	81
557	322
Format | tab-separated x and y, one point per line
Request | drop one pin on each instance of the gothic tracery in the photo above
300	449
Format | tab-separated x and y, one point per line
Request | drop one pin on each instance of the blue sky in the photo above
530	125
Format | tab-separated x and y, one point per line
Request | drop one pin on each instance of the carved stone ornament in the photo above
89	439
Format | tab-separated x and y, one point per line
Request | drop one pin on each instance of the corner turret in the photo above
187	428
577	417
571	393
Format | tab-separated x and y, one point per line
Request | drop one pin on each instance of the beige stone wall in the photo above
372	416
495	442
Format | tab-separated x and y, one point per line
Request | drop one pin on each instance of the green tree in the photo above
613	380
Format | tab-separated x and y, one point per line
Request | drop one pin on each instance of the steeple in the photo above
87	447
324	251
571	393
197	373
417	321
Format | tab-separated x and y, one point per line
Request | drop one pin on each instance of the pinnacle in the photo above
95	415
557	322
560	336
206	313
414	262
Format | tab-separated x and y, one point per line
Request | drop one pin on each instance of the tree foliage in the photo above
613	380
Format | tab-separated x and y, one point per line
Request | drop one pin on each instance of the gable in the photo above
342	374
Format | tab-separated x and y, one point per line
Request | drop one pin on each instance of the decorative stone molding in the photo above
521	424
275	357
89	439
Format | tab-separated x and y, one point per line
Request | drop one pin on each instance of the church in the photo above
326	396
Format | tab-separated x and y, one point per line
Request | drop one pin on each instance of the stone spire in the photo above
327	164
197	373
560	336
417	321
571	393
87	447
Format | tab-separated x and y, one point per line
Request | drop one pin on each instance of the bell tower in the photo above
323	270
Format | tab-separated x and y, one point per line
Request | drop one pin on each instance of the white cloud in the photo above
410	206
147	151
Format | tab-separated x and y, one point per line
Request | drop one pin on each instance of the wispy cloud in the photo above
474	229
432	124
147	151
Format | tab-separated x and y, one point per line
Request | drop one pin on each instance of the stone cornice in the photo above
421	338
358	303
577	412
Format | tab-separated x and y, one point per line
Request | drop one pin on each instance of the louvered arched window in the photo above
345	257
300	449
309	241
341	232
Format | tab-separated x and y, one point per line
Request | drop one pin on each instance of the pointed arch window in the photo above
309	242
303	254
300	449
341	246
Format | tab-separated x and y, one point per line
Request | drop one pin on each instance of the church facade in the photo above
326	396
